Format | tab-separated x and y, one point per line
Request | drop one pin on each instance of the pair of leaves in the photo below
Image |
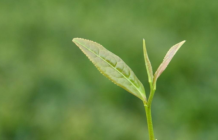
168	57
115	69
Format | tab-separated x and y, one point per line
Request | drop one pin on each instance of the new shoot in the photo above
115	69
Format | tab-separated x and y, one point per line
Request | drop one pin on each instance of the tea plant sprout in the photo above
115	69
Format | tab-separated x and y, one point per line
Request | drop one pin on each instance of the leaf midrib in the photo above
112	67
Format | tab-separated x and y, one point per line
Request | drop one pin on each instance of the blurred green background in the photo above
49	90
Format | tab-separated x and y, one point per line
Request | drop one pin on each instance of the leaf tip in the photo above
74	40
182	42
144	45
143	41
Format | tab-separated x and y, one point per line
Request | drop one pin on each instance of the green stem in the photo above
148	113
151	96
149	122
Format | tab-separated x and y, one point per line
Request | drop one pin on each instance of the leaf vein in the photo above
97	55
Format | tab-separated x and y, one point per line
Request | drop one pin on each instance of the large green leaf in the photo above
111	66
168	57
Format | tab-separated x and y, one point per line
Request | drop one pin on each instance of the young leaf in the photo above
148	64
111	66
168	57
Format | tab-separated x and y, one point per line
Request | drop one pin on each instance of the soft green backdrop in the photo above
49	90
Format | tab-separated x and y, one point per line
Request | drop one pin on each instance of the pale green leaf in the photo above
168	57
111	66
148	64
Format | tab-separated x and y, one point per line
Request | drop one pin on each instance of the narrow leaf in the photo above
168	57
148	64
111	66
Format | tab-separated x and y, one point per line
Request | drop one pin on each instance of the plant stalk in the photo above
149	122
148	114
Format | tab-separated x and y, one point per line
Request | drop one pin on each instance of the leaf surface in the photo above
148	64
168	57
111	66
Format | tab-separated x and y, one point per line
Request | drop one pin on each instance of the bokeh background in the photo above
49	90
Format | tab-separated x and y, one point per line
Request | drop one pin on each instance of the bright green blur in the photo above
50	91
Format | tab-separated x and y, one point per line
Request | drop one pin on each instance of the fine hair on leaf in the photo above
112	66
